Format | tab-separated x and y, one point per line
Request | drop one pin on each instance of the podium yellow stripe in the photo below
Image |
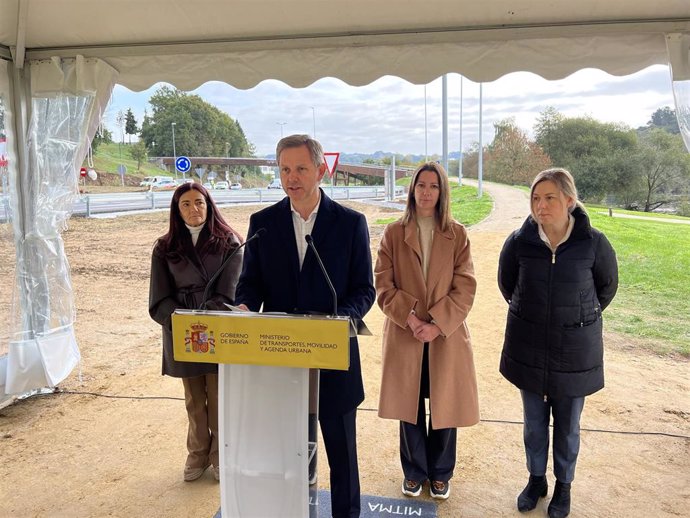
306	341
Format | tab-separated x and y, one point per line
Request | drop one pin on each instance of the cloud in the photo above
389	114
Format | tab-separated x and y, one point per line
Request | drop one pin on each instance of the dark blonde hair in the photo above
443	217
563	180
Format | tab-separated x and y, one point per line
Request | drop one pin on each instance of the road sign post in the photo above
183	164
122	169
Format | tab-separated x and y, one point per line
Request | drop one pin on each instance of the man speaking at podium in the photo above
282	272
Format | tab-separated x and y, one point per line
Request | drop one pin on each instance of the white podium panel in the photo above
263	418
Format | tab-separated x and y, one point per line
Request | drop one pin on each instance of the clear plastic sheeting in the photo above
55	135
68	99
681	93
678	49
7	251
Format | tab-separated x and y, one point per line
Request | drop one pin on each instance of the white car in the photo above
146	181
163	183
235	186
222	186
275	184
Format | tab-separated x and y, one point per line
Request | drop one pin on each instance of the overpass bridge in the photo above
345	174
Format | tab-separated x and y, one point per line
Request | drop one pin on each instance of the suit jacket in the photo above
271	276
181	285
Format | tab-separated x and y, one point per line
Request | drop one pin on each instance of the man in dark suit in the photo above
281	272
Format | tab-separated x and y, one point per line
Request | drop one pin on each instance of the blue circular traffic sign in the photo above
183	164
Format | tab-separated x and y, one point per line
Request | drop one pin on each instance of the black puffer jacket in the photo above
553	341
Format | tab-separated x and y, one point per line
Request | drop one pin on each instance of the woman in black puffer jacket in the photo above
557	274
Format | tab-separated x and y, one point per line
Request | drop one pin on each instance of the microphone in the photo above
215	276
310	242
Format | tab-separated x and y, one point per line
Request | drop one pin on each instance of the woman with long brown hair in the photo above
425	287
183	262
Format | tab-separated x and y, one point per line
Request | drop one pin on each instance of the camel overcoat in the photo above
446	298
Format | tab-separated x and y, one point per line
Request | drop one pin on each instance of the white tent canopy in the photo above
60	59
243	42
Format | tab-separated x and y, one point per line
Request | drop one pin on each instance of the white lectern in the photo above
264	401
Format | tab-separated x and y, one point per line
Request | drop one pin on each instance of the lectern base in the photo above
264	454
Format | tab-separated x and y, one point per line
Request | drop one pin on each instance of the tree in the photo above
665	119
545	129
665	165
130	124
200	128
120	121
139	153
470	162
512	158
598	154
102	136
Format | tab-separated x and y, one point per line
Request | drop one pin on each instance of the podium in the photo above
266	411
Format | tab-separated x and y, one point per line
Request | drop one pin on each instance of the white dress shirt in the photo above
303	227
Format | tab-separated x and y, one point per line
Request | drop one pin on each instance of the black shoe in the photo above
439	489
411	488
559	507
534	490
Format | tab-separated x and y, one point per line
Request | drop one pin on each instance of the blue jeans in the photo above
566	434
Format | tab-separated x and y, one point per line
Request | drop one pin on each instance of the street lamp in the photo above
174	151
313	116
281	124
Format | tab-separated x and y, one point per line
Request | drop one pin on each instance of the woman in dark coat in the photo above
182	264
557	274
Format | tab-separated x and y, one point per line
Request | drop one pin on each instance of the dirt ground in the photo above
86	455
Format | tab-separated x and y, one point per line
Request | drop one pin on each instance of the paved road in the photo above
511	207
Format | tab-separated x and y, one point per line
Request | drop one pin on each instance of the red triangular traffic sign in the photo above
331	162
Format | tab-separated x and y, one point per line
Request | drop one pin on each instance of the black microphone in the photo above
205	298
310	242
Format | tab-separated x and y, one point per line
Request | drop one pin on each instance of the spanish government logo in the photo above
198	340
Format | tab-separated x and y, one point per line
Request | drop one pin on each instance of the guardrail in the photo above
92	204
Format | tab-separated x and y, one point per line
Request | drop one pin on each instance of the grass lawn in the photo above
653	300
464	205
659	215
108	156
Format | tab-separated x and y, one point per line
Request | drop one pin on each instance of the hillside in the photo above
106	160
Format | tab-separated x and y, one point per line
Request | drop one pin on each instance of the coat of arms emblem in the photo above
199	341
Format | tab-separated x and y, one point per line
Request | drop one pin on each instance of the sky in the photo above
391	115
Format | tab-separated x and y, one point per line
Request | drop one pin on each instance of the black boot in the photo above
534	490
559	507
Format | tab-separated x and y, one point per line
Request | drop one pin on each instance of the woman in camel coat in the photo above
425	287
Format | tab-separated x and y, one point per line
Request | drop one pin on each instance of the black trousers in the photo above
340	443
426	453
